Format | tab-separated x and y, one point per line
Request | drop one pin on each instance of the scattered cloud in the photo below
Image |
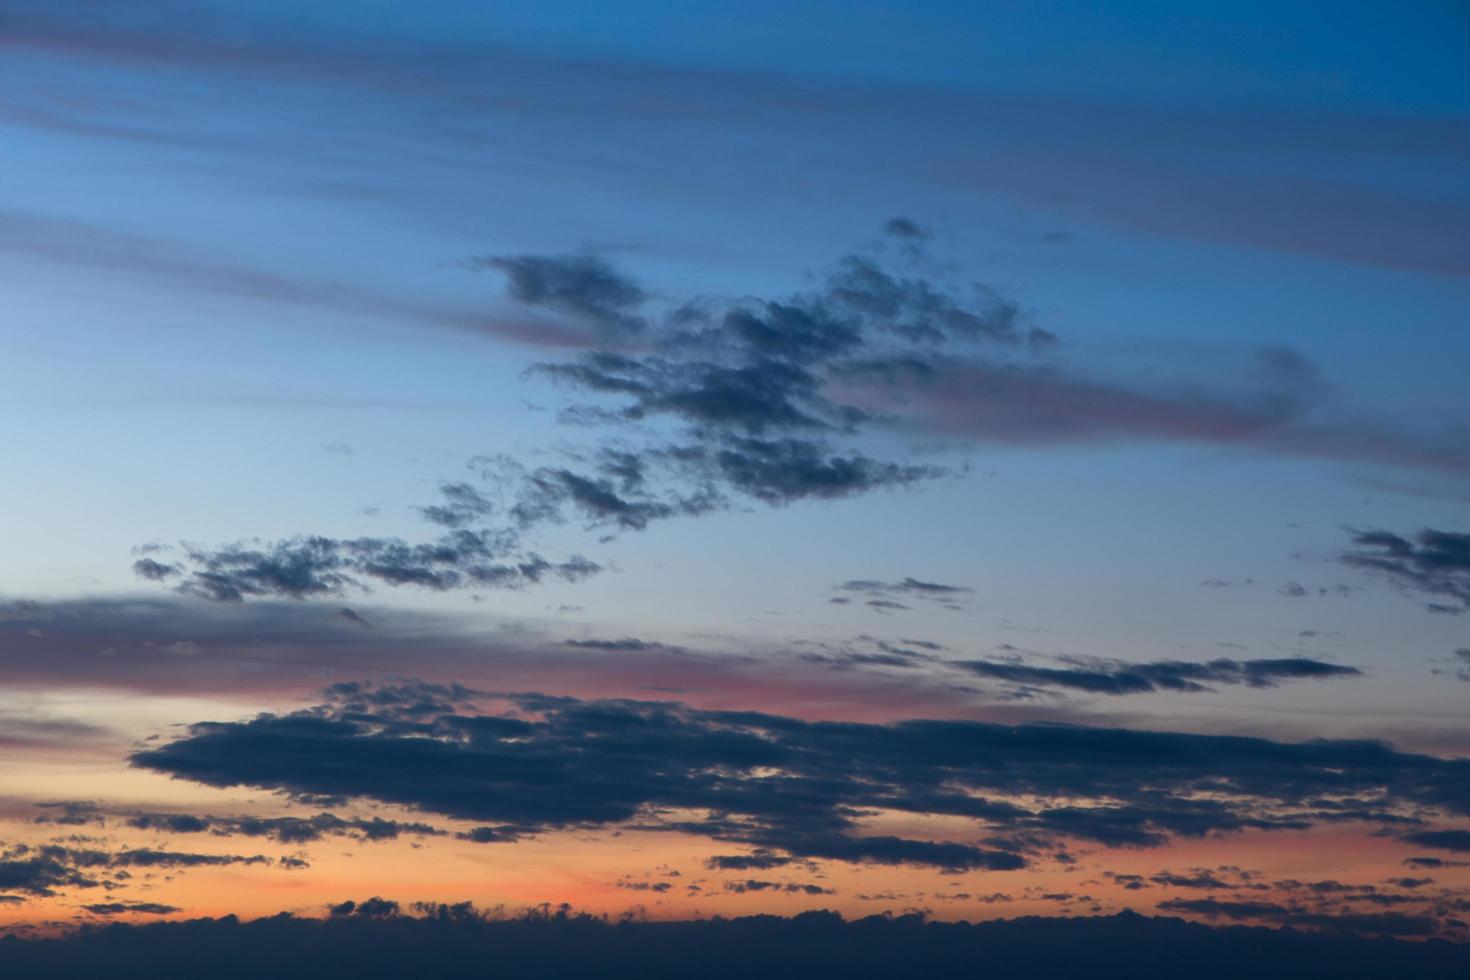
1430	562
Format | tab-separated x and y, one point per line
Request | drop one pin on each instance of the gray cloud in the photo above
1432	563
1119	677
583	286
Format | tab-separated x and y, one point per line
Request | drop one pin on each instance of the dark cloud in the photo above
1433	862
44	869
1199	878
318	567
1431	563
758	860
790	888
372	908
1119	678
884	596
796	788
905	586
900	227
154	571
583	286
1448	840
625	644
728	400
1374	923
287	830
122	908
379	938
646	886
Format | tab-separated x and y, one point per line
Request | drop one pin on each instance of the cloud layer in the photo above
799	788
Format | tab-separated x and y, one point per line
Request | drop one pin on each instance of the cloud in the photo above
1374	923
758	860
795	788
1432	563
884	596
378	937
44	869
320	567
701	405
583	286
1448	840
1119	677
123	908
152	570
791	888
901	227
1198	878
286	830
627	643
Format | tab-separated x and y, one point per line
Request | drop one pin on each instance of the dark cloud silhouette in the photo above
45	869
287	830
646	886
379	938
317	567
1199	878
884	596
154	571
1119	678
584	286
759	859
791	888
1430	562
121	908
1371	923
1433	863
795	788
905	586
1447	840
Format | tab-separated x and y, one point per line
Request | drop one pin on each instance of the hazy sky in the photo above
852	455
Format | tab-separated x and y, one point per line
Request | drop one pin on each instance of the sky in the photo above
694	459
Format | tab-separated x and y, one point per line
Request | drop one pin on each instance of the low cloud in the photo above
795	788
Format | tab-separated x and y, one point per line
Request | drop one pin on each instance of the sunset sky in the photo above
702	459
